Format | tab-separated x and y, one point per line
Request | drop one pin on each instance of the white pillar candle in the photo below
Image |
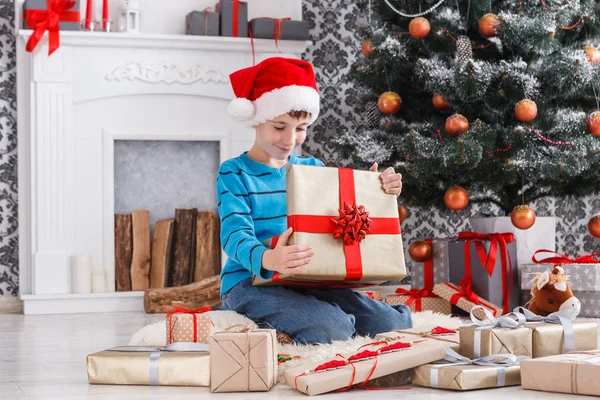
98	281
81	273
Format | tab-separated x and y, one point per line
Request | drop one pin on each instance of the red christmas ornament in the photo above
456	198
594	226
419	28
420	251
526	110
353	224
456	124
367	50
593	123
389	103
522	217
489	25
593	54
402	213
440	103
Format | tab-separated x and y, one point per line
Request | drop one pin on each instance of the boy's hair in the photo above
299	114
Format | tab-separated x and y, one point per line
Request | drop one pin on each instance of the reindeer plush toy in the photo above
551	293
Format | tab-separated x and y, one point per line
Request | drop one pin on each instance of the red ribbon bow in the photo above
353	224
560	259
465	290
415	296
183	310
49	20
488	260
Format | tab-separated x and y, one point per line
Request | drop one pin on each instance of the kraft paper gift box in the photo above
233	18
70	19
464	298
306	380
490	262
374	294
549	339
279	29
573	373
420	300
435	270
185	325
203	23
243	361
320	202
451	340
179	364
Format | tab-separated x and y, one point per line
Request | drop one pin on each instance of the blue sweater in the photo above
252	208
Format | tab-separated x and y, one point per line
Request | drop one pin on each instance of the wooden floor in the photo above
43	357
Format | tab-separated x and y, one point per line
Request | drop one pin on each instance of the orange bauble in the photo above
419	28
594	226
440	103
456	124
526	110
420	251
389	103
402	213
593	54
489	25
367	50
456	198
522	217
593	123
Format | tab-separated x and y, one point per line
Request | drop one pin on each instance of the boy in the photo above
279	98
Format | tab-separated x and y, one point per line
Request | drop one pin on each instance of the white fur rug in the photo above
155	335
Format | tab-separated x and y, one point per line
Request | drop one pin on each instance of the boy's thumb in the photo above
284	237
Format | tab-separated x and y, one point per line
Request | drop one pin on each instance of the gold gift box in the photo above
575	373
130	365
466	377
493	341
315	191
243	361
548	339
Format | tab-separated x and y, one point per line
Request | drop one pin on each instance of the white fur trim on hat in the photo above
283	100
241	109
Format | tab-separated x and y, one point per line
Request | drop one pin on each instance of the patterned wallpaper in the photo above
334	29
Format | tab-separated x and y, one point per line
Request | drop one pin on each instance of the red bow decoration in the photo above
415	296
560	259
465	290
440	330
49	20
488	260
183	310
353	224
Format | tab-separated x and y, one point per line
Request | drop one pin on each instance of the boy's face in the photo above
279	136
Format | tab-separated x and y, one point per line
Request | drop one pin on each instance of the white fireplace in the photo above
73	105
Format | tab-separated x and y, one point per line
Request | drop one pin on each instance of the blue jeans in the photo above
315	315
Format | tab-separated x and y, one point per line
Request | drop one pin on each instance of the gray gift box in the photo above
42	5
203	23
226	9
439	250
590	302
582	277
484	285
265	28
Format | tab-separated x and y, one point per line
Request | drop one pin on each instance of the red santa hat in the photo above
272	88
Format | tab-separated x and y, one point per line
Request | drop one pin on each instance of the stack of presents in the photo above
230	18
354	229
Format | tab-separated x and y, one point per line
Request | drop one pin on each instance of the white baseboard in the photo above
10	305
82	303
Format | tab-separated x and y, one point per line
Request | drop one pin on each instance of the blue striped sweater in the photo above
252	208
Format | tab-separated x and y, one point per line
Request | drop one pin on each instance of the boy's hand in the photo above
392	182
287	260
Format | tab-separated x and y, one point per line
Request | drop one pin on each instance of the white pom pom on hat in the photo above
272	88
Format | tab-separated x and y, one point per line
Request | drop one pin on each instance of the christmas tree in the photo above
499	97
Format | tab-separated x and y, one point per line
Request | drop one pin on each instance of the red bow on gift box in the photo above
488	260
183	310
560	259
49	20
415	296
465	290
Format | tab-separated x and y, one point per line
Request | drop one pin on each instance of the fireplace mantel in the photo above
72	105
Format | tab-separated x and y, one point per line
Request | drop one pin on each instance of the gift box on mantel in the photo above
233	18
279	29
177	364
489	261
52	16
243	360
573	373
351	224
185	325
368	363
583	273
202	23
